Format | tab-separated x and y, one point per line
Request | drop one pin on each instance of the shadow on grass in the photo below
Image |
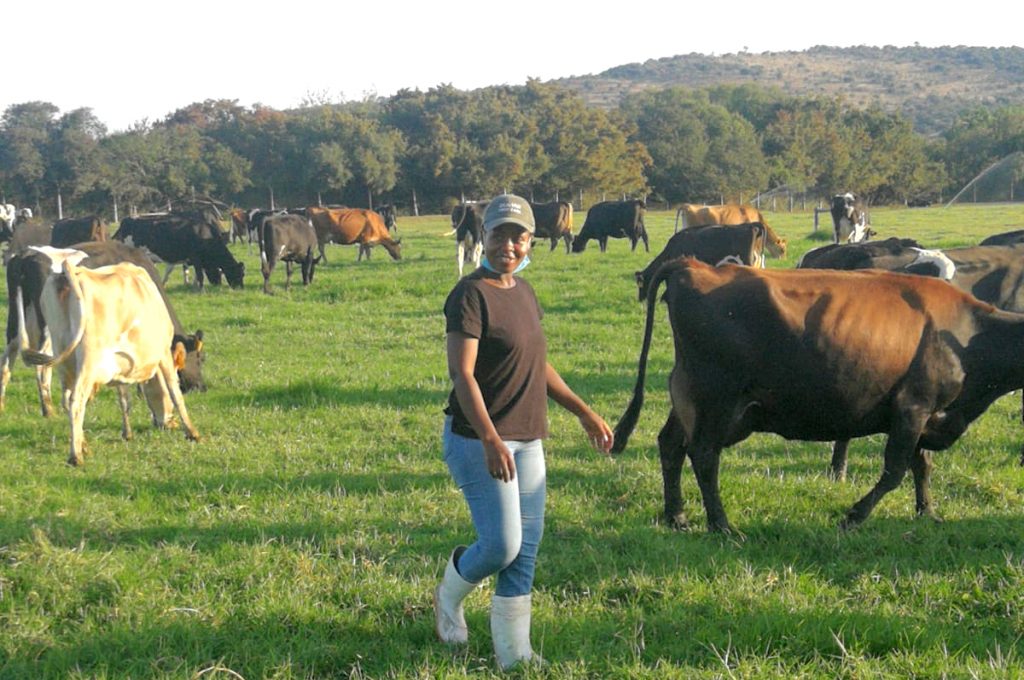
323	393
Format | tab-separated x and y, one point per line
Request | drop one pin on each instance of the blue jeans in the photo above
508	516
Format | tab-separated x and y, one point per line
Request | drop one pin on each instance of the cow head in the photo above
394	248
188	359
235	272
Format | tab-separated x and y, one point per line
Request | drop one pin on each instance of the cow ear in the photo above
178	352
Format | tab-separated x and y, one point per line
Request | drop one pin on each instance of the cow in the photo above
108	325
28	270
187	237
993	274
240	221
468	227
614	219
737	244
10	217
554	221
690	215
1004	239
821	355
890	254
849	223
71	230
390	217
290	239
34	233
348	226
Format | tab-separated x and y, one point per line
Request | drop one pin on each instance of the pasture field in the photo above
301	538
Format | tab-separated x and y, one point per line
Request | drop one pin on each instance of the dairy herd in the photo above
863	337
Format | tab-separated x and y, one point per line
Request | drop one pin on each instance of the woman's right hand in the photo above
500	463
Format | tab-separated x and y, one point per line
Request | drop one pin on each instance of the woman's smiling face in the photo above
505	246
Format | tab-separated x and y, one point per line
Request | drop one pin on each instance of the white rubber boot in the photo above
510	630
449	620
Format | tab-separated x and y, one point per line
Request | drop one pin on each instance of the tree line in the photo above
423	151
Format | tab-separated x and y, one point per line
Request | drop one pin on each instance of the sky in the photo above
141	60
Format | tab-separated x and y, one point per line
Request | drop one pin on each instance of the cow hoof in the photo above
722	528
677	522
932	515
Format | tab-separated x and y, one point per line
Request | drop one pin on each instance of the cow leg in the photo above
899	450
184	272
921	466
167	272
44	377
307	270
124	399
478	251
78	397
672	451
647	245
169	381
160	407
705	457
460	255
838	470
287	275
603	243
554	244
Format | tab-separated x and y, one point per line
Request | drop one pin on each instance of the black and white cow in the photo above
289	239
468	225
184	237
849	223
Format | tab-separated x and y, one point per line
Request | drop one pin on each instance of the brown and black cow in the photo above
71	230
737	244
690	215
553	221
821	355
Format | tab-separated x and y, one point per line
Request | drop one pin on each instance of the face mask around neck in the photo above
487	265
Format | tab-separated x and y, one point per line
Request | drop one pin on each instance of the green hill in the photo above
928	85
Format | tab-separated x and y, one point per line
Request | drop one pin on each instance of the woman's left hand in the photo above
600	435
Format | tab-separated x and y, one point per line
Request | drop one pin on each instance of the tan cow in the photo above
730	214
352	225
108	325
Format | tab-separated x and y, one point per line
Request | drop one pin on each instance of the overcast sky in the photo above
130	61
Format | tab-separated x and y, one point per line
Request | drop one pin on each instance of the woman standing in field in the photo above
496	421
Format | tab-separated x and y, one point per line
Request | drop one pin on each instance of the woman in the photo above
496	421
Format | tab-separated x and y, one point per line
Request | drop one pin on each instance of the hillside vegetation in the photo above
930	86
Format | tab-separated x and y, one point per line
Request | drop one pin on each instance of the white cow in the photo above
107	325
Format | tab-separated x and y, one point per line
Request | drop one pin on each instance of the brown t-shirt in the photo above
511	364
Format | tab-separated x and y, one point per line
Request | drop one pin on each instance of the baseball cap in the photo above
508	209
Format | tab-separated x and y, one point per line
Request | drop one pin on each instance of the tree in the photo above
25	132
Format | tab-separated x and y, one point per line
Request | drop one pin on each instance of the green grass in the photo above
302	537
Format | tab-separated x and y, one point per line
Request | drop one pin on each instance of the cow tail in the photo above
35	358
629	419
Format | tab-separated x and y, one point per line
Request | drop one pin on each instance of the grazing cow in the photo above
468	226
290	239
554	221
738	244
28	270
821	355
993	274
614	219
108	325
690	216
849	223
348	226
1004	239
187	237
390	217
73	230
